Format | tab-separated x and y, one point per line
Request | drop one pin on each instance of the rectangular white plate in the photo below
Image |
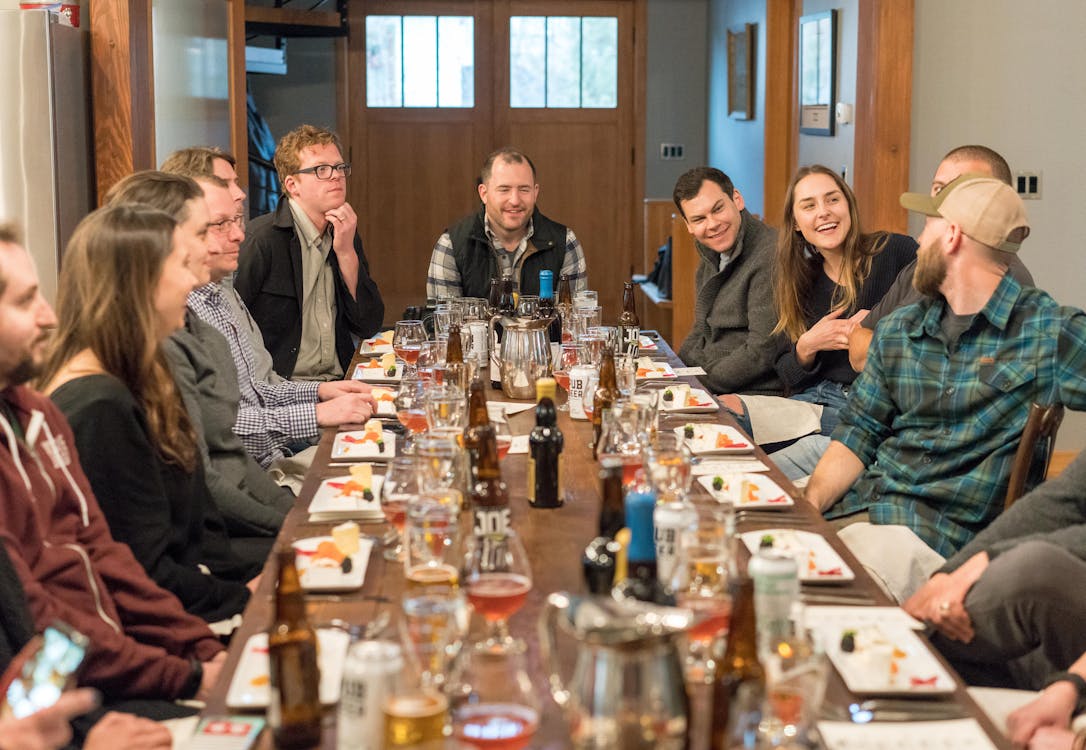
379	344
747	491
318	577
706	440
384	398
376	374
337	498
249	685
654	371
910	670
817	561
348	445
687	400
645	344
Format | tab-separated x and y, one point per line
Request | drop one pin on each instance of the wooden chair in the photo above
1034	451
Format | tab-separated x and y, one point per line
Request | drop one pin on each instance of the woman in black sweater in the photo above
122	291
828	275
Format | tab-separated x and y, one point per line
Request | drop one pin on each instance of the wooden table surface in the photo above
554	540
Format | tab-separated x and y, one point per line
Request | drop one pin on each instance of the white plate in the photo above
747	491
337	499
376	374
887	660
249	686
645	344
817	561
718	439
687	400
379	344
654	371
347	445
322	577
385	400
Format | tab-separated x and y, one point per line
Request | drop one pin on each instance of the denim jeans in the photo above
800	458
832	396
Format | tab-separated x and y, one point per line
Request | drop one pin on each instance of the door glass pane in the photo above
599	66
563	62
456	61
383	55
527	66
420	61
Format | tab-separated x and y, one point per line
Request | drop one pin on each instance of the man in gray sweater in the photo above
733	309
1015	590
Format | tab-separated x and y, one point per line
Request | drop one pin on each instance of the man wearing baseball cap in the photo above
921	459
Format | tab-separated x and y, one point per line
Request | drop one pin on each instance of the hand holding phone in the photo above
42	671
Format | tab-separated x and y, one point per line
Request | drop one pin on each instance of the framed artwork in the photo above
817	72
741	73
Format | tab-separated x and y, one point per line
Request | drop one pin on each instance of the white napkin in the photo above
680	371
739	465
519	444
817	617
774	419
511	407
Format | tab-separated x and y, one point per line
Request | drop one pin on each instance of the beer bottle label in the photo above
491	521
531	479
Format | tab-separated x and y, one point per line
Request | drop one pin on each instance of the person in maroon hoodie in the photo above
142	642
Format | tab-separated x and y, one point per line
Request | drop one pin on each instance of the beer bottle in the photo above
478	426
565	294
545	445
454	351
547	310
629	325
613	507
739	682
489	495
294	711
494	298
507	303
641	582
604	398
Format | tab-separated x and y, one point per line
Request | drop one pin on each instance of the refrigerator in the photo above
46	158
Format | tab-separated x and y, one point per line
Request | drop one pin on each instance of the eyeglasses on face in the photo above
223	227
325	171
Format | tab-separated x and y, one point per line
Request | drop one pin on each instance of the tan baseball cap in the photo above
987	209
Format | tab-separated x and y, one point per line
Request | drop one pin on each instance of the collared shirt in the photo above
263	367
270	416
317	359
725	259
937	426
443	277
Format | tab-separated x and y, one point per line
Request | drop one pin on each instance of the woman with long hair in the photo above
828	275
122	291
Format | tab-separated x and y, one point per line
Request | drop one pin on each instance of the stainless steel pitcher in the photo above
627	690
524	355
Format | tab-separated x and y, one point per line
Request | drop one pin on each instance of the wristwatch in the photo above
1077	681
192	685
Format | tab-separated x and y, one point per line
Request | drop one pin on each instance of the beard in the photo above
930	270
24	371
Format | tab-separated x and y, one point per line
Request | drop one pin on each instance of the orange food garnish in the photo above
372	364
369	437
643	371
350	487
899	654
260	680
723	441
894	669
329	550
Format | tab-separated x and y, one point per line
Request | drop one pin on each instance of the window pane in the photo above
563	61
599	67
527	69
456	61
420	61
383	56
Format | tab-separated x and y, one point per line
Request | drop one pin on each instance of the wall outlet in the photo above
1028	185
671	151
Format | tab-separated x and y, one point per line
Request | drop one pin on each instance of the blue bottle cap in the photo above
546	284
639	508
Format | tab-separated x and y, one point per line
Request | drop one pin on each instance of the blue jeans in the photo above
800	458
831	396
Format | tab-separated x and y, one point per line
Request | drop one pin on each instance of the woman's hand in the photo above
828	334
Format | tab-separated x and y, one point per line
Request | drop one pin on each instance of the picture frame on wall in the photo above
817	72
741	73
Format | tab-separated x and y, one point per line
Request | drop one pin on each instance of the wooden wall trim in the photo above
239	115
122	85
884	84
781	116
638	157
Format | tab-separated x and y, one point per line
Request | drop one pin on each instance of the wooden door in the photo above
415	170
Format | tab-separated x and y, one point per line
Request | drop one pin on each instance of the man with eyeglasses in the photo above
303	272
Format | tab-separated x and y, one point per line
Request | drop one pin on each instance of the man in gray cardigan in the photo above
733	309
1015	590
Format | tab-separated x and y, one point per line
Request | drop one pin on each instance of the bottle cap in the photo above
545	387
639	509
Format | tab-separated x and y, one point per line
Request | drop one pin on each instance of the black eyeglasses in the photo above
222	227
325	171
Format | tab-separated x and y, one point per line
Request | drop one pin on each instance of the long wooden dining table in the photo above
554	540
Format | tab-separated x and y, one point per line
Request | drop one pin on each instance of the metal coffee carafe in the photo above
627	689
524	355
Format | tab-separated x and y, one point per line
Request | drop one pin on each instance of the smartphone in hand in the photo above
43	669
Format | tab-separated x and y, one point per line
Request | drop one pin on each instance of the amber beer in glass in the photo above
414	718
294	711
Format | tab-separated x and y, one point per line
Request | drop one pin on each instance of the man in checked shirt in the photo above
508	234
921	459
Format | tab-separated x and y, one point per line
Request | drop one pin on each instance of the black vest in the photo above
477	265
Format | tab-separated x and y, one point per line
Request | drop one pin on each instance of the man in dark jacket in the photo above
142	643
303	272
733	309
507	235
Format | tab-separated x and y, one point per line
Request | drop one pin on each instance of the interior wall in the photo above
676	88
737	147
192	86
836	151
1010	83
306	94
